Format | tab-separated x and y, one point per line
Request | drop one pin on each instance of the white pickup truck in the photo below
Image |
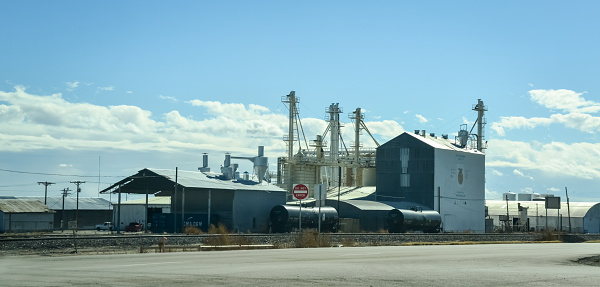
104	226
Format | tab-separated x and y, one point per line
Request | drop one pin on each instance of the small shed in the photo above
20	215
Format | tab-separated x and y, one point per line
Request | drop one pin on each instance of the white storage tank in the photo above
510	196
525	196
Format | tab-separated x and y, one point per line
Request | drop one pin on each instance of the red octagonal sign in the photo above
300	191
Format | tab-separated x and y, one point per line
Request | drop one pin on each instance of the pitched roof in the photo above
439	143
23	206
162	182
55	203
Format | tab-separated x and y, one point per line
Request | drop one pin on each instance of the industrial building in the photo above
415	169
136	210
240	205
436	173
88	211
532	215
24	215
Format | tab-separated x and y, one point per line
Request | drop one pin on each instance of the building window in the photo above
404	180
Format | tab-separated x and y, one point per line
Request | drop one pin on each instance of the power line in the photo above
56	174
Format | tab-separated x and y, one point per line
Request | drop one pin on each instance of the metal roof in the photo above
162	182
577	209
55	203
23	206
442	143
351	192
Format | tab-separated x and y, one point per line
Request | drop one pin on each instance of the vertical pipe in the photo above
261	150
339	190
300	218
174	202
208	216
183	208
568	209
119	212
291	116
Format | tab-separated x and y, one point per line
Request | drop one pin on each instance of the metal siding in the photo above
461	179
420	170
253	207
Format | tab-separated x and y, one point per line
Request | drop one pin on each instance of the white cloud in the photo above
554	189
31	122
530	84
577	114
521	174
421	119
168	98
578	160
72	85
129	92
495	172
109	88
565	100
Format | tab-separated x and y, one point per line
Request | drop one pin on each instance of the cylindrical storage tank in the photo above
403	220
227	160
284	218
246	176
524	196
510	196
463	137
261	150
204	160
369	177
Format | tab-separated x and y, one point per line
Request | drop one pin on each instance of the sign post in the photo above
300	192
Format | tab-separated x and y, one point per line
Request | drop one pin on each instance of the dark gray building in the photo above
240	205
436	173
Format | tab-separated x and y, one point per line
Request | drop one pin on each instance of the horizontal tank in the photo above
284	218
403	220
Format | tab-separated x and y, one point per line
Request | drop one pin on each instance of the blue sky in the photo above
155	84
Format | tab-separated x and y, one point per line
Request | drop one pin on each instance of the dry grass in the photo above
192	230
221	235
311	238
549	235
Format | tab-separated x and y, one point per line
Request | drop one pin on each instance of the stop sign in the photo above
300	191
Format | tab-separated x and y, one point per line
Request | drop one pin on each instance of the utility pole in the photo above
62	215
77	209
45	183
568	209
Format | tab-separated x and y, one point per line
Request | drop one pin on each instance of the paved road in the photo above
454	265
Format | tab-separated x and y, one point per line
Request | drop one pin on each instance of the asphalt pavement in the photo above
548	264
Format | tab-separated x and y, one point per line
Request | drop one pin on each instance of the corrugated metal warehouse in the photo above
92	210
240	205
434	172
585	216
22	215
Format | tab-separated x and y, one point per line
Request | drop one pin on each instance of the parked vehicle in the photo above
104	226
134	227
